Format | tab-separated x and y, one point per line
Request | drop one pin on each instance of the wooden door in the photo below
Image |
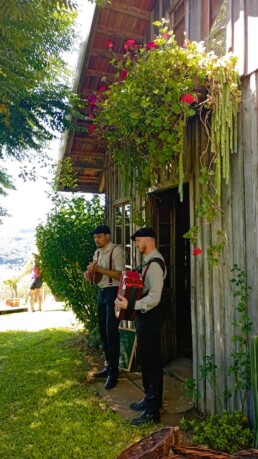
170	219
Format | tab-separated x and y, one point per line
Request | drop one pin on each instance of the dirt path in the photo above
52	316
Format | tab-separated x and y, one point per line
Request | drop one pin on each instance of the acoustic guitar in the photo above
94	277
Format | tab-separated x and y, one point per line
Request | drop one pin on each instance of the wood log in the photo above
246	454
199	453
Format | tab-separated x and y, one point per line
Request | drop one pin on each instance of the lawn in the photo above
48	409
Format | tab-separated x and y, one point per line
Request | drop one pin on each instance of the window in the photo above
123	230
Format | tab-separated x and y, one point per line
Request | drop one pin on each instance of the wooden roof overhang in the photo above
119	21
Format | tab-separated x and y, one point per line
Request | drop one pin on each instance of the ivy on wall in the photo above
143	115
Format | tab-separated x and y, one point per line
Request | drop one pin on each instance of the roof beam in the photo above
124	36
139	14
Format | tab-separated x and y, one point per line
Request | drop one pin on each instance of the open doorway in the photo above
171	220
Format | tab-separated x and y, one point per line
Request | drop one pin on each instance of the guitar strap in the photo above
110	280
110	283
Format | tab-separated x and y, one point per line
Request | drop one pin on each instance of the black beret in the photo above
144	232
101	229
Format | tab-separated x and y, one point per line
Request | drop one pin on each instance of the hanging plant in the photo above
144	113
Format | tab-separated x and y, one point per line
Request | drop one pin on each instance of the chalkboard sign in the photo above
127	348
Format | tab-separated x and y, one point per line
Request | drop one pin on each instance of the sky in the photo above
29	204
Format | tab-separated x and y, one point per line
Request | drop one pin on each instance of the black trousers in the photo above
148	330
108	327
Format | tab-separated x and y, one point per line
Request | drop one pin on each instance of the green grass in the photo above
47	408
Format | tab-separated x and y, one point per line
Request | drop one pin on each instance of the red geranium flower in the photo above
92	99
123	74
92	128
151	45
109	44
187	98
196	251
129	44
102	88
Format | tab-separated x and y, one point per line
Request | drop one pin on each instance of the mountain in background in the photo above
16	246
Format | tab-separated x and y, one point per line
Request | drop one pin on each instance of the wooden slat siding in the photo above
193	292
222	289
236	21
250	158
254	86
242	33
235	249
251	24
196	9
197	272
222	286
206	277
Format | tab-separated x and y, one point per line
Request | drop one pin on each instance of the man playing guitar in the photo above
108	261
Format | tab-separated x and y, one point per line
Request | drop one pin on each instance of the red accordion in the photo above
130	287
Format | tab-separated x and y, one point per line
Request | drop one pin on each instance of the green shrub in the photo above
66	247
227	432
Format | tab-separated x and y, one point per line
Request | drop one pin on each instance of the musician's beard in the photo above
101	246
142	249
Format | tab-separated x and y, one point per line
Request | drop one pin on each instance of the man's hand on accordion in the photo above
121	302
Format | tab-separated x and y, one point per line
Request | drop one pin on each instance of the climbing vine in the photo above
143	115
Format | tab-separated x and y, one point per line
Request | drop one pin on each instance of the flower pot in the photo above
13	302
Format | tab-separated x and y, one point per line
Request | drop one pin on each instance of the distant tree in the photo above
12	284
35	99
66	247
5	184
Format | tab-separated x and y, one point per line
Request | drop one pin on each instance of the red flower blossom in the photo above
123	74
92	102
92	99
102	88
196	251
92	128
109	44
165	35
130	44
187	98
151	45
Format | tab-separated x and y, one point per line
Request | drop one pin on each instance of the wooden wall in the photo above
212	301
242	33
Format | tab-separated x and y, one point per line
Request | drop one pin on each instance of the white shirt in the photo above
153	283
118	262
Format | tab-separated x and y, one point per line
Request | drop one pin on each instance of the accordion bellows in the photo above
130	287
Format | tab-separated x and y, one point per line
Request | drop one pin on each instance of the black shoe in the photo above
101	374
138	406
111	382
145	418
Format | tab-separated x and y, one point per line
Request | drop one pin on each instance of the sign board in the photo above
127	348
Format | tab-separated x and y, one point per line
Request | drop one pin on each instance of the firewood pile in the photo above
164	444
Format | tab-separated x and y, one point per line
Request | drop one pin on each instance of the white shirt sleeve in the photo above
153	285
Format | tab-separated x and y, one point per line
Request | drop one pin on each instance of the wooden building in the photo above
200	306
